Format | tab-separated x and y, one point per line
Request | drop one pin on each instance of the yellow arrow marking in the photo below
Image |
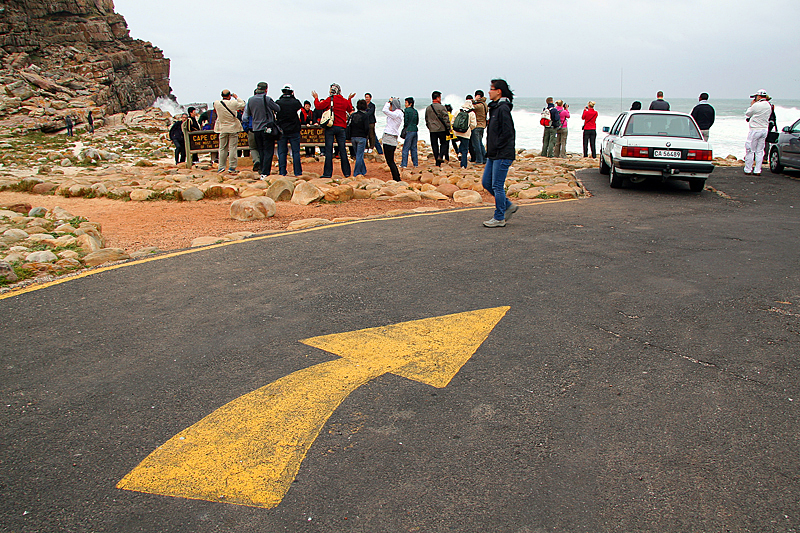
249	451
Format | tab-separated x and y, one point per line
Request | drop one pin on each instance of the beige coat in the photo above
227	122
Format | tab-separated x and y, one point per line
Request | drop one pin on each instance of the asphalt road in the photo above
645	377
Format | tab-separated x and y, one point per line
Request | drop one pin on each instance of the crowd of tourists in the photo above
270	123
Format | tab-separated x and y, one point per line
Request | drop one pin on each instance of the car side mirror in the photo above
787	129
606	129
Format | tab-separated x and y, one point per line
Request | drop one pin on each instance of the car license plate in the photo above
671	154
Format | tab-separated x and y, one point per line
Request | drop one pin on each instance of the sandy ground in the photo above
171	225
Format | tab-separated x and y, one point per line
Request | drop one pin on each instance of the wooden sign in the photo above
312	135
207	140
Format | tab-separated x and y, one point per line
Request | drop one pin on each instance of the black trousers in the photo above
589	139
388	153
440	146
265	144
180	153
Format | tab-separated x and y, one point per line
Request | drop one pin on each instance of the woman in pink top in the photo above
589	129
561	132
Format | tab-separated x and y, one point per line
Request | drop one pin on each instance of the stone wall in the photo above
66	57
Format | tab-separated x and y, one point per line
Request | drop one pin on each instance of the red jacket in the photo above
341	107
589	117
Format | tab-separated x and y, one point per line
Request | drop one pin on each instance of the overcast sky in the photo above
568	48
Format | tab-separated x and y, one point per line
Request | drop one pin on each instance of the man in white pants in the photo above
758	117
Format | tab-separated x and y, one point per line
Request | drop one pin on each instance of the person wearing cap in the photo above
703	114
341	107
758	116
228	127
393	110
289	121
261	108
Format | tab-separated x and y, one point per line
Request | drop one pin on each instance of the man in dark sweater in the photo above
288	119
659	104
703	114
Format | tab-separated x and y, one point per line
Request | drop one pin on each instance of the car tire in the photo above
614	180
775	161
697	185
604	169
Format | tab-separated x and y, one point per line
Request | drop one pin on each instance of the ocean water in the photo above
727	135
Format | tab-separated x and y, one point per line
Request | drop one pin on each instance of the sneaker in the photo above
256	167
748	173
510	211
264	177
220	171
233	171
494	223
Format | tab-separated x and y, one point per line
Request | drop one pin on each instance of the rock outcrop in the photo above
68	57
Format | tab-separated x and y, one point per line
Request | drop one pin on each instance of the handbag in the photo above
772	137
272	129
327	116
403	132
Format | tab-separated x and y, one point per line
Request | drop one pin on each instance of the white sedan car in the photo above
663	145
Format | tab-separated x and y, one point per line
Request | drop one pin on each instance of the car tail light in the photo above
635	151
699	155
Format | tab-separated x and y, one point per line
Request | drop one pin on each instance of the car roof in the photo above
656	112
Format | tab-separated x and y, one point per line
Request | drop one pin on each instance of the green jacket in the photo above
410	119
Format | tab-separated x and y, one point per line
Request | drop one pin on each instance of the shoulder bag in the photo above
327	116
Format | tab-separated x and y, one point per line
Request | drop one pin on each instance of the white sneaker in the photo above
264	177
494	223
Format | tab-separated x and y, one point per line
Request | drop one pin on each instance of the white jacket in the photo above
758	114
394	119
227	122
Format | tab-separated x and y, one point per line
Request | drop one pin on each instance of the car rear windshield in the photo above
660	124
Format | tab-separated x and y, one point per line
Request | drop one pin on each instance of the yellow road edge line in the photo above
47	284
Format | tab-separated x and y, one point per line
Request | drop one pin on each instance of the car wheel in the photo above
775	162
697	185
604	169
615	180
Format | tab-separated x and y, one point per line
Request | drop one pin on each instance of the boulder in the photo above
467	197
340	193
45	256
14	235
191	194
7	273
253	208
207	240
305	193
105	255
447	188
89	243
308	223
43	188
433	195
140	195
281	190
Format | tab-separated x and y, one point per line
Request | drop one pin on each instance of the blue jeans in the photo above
360	168
477	145
494	181
338	133
294	139
410	145
463	150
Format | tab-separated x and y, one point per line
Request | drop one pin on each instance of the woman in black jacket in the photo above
500	151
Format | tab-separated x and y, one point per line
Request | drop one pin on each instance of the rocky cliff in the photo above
67	57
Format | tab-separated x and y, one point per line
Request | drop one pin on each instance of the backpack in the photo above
461	122
555	115
545	120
